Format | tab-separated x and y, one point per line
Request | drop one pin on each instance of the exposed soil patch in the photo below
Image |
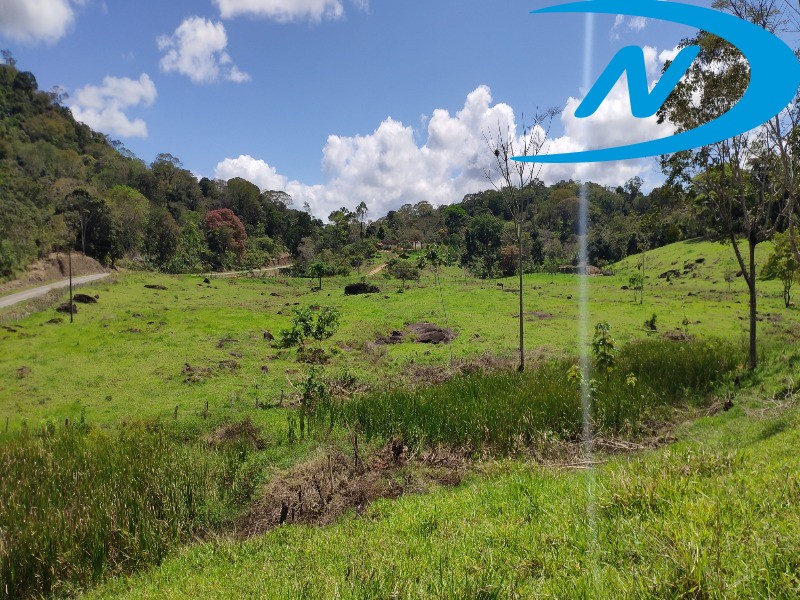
429	333
575	270
225	341
195	374
542	316
155	287
422	333
23	372
312	356
671	274
678	335
243	433
324	488
65	308
395	337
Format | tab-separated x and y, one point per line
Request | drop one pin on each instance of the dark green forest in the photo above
63	185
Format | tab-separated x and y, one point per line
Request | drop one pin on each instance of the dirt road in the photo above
13	299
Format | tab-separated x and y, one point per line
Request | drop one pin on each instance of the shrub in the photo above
305	326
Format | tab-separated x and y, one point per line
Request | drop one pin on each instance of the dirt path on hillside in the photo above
376	270
51	269
13	299
233	274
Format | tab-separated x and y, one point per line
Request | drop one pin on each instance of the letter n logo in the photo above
644	103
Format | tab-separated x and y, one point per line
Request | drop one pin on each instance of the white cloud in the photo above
612	125
36	20
254	170
103	107
636	24
198	49
286	11
388	168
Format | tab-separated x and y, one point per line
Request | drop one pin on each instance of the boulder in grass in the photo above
155	287
65	308
360	288
83	299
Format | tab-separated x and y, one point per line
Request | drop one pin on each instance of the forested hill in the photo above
63	184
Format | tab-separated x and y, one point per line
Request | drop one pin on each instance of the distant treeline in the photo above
62	185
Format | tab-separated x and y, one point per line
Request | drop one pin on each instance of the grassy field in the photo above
193	357
126	357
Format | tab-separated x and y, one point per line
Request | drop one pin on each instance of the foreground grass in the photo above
713	516
79	505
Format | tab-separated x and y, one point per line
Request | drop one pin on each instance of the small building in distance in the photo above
387	245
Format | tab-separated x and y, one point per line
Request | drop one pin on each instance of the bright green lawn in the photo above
124	357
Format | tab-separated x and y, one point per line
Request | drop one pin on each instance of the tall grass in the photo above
501	411
77	505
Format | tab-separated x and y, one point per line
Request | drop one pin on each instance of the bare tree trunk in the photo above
71	307
521	311
753	307
83	234
792	239
749	274
641	292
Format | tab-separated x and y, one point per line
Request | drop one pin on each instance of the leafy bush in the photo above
305	326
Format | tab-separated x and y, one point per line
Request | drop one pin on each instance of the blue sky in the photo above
335	101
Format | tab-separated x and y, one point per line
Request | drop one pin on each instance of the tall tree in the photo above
361	215
780	135
512	178
225	233
129	212
162	236
731	179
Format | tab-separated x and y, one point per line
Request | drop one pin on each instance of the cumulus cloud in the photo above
612	125
286	11
103	107
253	170
388	168
198	49
621	24
36	20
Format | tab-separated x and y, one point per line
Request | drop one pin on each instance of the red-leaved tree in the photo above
225	232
